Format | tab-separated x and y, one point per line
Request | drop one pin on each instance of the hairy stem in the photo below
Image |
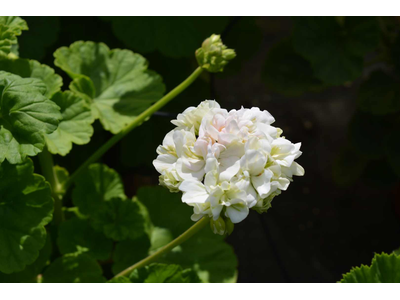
138	121
47	165
179	240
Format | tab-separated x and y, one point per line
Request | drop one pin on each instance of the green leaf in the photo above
121	219
99	193
75	126
10	28
379	95
163	273
74	268
130	252
385	268
16	24
172	36
33	69
117	82
159	238
30	273
95	186
336	52
287	72
26	207
206	253
7	39
43	33
77	235
25	116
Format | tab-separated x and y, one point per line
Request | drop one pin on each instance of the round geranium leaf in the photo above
99	194
26	207
74	268
116	82
26	115
32	69
129	252
77	235
385	268
75	126
95	186
10	28
31	272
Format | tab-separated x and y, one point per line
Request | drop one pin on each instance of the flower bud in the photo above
229	226
214	55
218	226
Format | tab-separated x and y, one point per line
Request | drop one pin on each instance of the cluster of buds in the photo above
213	55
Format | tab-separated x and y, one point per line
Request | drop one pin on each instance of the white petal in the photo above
297	169
262	183
229	167
164	161
253	161
237	212
186	173
193	192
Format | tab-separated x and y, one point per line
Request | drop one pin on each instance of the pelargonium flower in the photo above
226	162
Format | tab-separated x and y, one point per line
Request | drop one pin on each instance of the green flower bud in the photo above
218	226
214	55
229	226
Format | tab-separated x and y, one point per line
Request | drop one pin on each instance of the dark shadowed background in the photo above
331	83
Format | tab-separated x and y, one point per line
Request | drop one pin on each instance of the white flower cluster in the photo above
226	162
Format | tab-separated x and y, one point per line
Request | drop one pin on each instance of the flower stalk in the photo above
176	242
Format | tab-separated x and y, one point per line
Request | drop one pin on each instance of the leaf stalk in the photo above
47	165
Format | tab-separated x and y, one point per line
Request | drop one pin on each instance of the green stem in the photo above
138	121
47	165
179	240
